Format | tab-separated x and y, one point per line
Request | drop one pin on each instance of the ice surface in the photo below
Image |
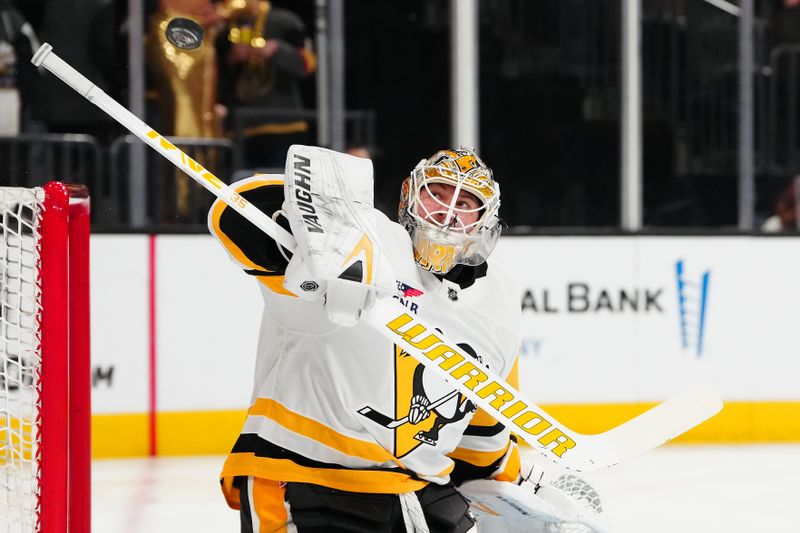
690	489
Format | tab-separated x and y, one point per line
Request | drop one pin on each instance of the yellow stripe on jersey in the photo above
274	283
268	504
321	433
510	470
478	458
446	471
216	213
231	493
374	481
482	418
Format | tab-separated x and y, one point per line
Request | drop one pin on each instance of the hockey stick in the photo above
46	58
432	349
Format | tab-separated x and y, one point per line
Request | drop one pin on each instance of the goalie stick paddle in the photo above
426	344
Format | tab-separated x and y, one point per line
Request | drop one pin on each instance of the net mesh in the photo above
586	498
20	313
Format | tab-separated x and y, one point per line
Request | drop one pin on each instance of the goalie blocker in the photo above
339	255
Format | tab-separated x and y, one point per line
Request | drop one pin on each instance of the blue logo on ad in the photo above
692	300
531	346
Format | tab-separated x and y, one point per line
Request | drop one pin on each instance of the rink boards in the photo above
611	325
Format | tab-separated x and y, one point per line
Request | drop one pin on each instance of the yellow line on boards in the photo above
738	422
198	433
120	435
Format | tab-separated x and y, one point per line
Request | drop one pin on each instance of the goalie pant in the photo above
484	506
329	402
267	505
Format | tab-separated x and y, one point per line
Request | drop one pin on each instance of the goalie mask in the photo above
447	226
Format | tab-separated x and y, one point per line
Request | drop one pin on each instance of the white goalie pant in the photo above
569	505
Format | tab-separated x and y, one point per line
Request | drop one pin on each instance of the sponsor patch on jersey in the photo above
407	290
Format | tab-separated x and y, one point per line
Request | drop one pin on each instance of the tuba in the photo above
257	77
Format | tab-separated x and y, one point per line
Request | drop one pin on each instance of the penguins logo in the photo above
424	404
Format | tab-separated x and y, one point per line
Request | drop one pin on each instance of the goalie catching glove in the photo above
328	202
567	505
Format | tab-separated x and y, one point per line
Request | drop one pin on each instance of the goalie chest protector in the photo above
345	408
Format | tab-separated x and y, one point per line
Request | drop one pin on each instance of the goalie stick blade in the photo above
656	426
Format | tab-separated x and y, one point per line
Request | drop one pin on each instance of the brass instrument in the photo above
256	79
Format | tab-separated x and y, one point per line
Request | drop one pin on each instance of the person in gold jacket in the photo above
185	82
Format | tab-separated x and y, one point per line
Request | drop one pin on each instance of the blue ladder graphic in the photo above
692	299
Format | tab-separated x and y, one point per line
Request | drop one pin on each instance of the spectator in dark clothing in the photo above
78	35
785	21
32	11
264	55
17	44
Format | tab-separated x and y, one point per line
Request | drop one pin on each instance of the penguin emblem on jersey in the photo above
424	404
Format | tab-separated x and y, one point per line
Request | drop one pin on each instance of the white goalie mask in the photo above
448	233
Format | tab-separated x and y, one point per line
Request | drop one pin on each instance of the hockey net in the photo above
44	347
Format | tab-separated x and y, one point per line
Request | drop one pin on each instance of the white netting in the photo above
20	355
588	507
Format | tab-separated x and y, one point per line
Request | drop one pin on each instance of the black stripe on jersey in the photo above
256	246
464	471
254	272
245	511
484	431
252	443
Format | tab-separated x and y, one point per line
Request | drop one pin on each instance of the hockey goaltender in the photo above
346	431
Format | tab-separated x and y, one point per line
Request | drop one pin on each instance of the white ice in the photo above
686	489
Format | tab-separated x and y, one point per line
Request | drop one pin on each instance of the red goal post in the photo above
45	377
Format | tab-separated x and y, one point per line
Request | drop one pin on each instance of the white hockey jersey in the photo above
344	407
